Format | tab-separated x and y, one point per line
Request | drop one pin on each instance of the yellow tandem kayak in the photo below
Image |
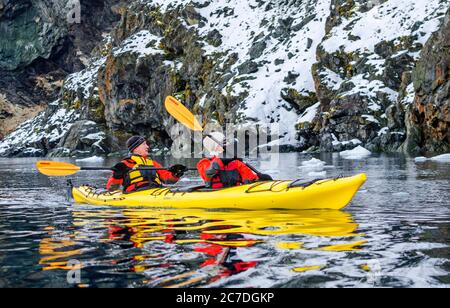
321	194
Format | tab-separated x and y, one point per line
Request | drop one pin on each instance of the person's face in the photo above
142	149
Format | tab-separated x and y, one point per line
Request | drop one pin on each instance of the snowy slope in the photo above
392	20
247	20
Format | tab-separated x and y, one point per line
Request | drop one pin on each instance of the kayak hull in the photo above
323	194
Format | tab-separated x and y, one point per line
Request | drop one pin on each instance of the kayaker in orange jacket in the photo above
219	172
129	174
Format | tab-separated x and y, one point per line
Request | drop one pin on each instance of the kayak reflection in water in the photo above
224	172
132	177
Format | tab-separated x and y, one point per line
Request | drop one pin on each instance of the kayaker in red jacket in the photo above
219	172
128	174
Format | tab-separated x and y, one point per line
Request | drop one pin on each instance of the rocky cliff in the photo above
40	44
428	117
332	73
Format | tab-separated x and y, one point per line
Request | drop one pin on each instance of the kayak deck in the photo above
322	194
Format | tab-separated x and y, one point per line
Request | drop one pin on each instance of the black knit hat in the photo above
134	142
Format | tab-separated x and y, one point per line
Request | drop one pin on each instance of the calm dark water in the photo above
395	233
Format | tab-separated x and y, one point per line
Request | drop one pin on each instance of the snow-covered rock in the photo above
38	136
370	51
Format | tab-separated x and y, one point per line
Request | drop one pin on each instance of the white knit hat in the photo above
214	142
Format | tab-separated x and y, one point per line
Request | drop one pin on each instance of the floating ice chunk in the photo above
313	162
444	158
420	159
312	165
357	153
92	159
317	174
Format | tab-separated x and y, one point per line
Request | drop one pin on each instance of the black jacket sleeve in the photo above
120	170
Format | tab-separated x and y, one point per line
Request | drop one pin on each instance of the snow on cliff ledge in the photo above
244	23
256	21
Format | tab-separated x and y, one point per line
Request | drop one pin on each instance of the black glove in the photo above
177	170
213	169
264	177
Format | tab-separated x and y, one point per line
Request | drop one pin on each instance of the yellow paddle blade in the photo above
182	114
54	168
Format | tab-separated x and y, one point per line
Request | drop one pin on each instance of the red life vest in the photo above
227	176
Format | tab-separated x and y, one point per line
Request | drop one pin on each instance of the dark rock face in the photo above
131	103
40	45
428	118
298	100
30	29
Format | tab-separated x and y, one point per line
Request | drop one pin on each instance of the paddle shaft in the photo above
141	168
156	169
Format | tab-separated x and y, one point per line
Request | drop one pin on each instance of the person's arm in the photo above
247	175
202	166
116	179
214	167
166	176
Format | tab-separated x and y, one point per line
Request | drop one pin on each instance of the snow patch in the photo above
85	79
336	142
383	131
142	43
370	118
409	96
386	22
309	114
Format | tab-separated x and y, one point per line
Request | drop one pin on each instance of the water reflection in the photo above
396	236
192	247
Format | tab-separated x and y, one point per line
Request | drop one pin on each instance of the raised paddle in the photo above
54	168
183	115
